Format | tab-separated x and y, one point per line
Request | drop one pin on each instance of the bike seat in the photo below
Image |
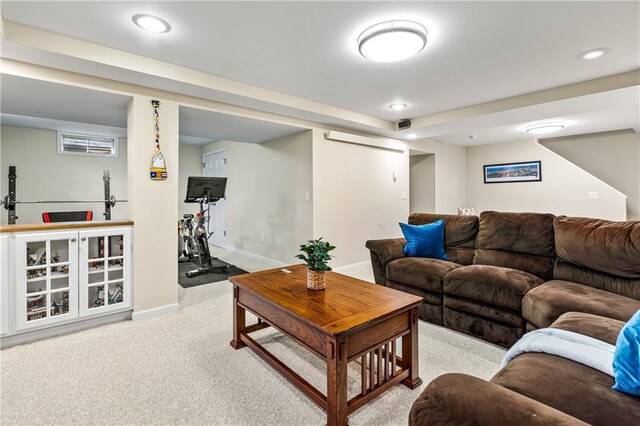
187	216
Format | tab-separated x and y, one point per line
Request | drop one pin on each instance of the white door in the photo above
46	278
105	270
215	165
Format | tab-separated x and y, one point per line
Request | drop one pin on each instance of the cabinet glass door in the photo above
46	278
104	270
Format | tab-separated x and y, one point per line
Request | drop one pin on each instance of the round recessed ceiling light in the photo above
412	136
542	128
397	106
151	23
392	41
593	54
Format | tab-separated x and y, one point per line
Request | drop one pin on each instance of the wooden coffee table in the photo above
351	320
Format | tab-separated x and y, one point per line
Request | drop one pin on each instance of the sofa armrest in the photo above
383	252
387	250
462	399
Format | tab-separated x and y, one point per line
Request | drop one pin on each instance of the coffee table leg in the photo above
410	352
337	383
239	321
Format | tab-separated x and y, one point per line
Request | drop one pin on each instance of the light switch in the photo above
395	176
593	196
404	195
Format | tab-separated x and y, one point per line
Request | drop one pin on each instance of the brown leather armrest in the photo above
462	399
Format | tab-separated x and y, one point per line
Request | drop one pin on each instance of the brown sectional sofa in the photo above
534	388
512	272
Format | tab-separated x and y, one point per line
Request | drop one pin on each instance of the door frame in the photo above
226	209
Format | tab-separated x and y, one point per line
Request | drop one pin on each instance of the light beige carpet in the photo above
180	369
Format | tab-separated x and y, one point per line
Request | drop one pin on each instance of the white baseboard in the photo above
155	312
360	269
255	256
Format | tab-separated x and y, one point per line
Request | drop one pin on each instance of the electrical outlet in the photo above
306	195
262	238
593	195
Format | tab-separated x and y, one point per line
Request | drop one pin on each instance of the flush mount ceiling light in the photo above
151	23
412	136
543	128
392	41
397	106
593	54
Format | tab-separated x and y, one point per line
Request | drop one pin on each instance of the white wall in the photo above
613	157
190	165
43	174
564	188
355	197
153	206
422	193
450	173
266	195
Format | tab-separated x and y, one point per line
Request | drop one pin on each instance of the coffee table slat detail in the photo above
351	320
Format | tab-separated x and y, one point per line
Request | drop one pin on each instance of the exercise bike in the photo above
195	238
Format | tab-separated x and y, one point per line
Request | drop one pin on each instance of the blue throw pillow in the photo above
626	358
425	240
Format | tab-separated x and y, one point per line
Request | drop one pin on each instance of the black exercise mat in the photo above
205	278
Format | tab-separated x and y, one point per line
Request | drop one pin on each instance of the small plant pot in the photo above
315	280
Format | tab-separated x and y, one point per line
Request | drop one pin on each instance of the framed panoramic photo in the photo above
530	171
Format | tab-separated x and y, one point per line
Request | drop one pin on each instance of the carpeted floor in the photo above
179	369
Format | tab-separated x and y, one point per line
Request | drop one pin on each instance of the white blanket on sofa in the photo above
566	344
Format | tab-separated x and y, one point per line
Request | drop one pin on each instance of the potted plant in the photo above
316	255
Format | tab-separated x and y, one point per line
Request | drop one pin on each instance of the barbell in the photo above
111	201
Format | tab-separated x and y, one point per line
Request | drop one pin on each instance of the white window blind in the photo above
72	143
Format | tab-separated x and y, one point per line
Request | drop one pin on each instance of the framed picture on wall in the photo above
529	171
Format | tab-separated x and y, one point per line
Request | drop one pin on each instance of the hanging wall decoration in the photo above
158	169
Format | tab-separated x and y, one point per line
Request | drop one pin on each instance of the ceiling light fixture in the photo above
593	54
392	41
543	128
412	136
151	23
397	106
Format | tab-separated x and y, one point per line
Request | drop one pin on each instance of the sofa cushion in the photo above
420	272
459	234
608	247
544	304
521	241
623	286
595	326
493	285
570	387
530	233
459	231
626	360
424	240
537	265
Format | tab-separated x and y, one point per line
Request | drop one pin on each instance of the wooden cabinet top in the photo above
63	225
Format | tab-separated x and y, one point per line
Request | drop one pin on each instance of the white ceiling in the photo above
34	98
207	126
477	52
39	104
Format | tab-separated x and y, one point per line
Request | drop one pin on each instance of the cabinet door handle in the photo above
83	239
73	240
